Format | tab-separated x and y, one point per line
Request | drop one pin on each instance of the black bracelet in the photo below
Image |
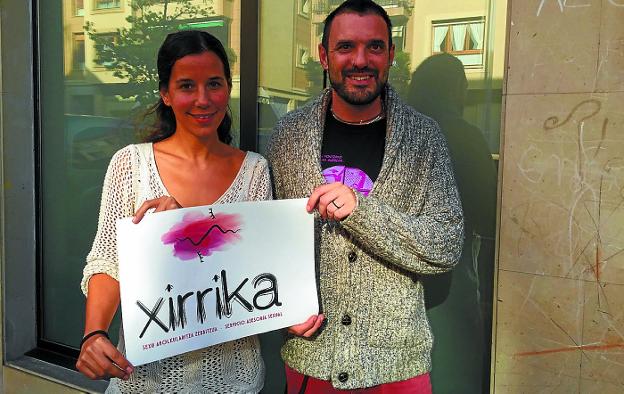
92	333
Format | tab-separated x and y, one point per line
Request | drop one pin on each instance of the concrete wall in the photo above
560	321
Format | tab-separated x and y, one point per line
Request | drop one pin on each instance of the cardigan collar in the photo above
394	109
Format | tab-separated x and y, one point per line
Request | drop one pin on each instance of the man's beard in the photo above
358	97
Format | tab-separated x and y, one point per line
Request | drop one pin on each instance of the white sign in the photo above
195	277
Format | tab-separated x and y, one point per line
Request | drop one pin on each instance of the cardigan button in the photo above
352	257
346	320
343	377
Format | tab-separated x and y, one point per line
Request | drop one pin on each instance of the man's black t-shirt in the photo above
352	154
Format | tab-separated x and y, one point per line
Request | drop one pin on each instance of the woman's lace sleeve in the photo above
117	202
260	187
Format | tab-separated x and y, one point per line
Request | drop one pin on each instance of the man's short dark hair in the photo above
361	7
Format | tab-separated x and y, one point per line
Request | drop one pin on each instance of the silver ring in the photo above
336	205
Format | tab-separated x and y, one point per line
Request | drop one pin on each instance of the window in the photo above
303	56
106	4
463	39
82	130
93	82
105	48
79	7
398	37
73	125
472	107
78	54
304	7
80	104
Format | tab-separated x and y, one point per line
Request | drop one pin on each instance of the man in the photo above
379	175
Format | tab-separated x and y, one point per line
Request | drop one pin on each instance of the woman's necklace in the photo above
363	122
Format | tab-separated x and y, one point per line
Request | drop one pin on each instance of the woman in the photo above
187	162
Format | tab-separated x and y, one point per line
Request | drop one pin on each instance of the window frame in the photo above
104	9
448	49
76	38
23	349
398	29
78	11
97	64
300	8
299	55
21	232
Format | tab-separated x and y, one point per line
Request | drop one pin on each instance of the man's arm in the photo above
427	239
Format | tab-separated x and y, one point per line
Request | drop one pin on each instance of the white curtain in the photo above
439	33
459	37
476	32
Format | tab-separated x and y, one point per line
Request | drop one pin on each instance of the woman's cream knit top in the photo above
231	367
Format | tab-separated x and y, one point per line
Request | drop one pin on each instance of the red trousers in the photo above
416	385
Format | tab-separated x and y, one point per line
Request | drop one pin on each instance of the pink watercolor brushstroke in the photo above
199	234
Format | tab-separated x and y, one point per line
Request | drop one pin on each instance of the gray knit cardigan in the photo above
369	264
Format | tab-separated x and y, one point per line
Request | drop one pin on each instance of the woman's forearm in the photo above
102	302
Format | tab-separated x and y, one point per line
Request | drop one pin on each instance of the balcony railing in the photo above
326	6
396	3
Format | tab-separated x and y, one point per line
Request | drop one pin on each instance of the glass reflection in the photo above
449	65
103	68
459	302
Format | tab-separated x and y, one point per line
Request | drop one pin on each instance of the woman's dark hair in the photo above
176	46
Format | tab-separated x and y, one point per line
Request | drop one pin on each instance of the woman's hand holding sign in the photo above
100	359
164	203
